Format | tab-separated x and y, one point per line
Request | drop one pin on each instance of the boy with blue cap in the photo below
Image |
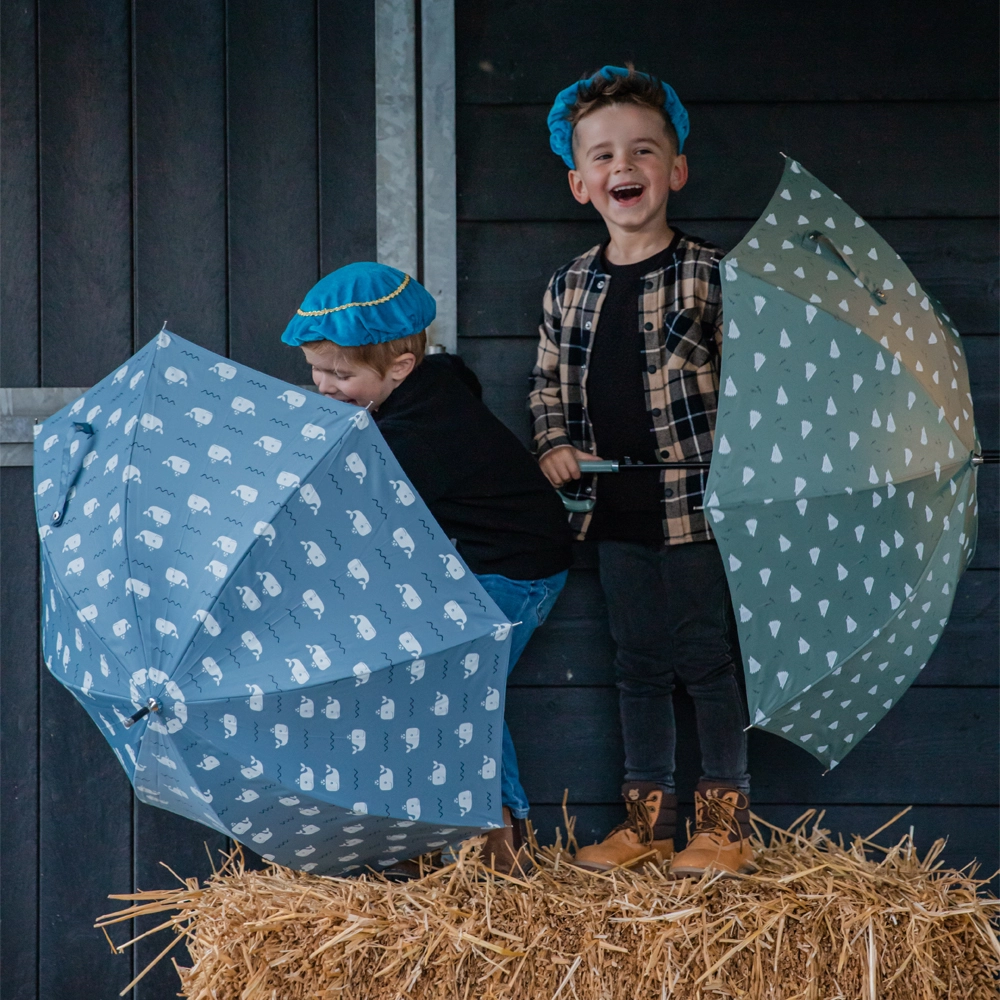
362	329
628	367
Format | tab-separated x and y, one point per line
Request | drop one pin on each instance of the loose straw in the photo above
819	919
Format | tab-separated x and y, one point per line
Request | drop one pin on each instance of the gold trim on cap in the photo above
351	305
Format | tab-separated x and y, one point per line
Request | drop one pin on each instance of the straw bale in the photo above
821	920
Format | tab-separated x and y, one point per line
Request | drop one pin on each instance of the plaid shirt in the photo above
680	313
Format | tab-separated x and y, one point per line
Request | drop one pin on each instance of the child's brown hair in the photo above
378	357
636	88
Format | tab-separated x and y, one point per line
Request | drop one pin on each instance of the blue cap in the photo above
561	131
362	303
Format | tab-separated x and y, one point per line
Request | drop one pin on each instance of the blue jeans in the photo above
528	602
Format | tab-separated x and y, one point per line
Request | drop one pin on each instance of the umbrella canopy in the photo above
326	676
843	486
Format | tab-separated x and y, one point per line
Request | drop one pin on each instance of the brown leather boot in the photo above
722	833
502	849
647	835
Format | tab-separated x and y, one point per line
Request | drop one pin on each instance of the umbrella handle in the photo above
72	463
817	237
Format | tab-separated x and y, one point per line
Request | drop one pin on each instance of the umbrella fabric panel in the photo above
812	406
842	491
903	317
253	557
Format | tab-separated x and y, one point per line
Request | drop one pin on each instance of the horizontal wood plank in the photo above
883	159
937	746
525	52
503	267
504	366
971	830
574	647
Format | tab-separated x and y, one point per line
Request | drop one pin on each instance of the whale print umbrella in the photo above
843	483
261	616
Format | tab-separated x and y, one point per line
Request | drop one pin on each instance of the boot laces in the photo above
717	818
638	820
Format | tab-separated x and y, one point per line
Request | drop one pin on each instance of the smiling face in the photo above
336	376
626	167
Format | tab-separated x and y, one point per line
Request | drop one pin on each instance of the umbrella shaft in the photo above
151	706
612	465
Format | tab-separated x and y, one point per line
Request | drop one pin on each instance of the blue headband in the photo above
363	303
561	131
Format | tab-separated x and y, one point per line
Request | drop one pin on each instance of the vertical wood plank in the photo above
19	197
180	170
19	736
86	189
161	836
273	211
346	45
85	813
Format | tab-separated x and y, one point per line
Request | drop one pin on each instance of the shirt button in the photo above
665	453
648	326
649	286
586	326
651	369
600	284
655	411
668	493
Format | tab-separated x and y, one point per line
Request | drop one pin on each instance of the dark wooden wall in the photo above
892	105
195	161
204	162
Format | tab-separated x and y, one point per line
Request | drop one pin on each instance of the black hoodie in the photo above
479	482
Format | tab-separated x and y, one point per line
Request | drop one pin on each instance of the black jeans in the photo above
671	617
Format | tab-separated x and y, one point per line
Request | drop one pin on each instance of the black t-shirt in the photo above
630	503
479	482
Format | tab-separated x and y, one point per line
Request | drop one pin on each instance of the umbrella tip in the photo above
785	155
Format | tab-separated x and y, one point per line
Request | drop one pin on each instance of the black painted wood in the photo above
971	830
883	159
85	851
503	267
575	648
85	173
347	133
180	170
504	366
273	179
190	849
525	52
19	196
937	746
18	737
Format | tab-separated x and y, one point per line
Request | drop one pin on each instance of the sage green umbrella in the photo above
843	484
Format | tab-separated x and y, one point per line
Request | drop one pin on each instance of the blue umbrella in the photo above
262	617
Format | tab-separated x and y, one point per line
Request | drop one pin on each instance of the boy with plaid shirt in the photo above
628	367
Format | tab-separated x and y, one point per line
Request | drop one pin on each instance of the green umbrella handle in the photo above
817	237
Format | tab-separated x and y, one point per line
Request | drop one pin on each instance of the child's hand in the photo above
562	464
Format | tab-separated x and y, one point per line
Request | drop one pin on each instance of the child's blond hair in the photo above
378	357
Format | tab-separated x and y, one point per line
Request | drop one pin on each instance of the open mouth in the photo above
627	194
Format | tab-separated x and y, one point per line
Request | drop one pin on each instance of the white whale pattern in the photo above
267	608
